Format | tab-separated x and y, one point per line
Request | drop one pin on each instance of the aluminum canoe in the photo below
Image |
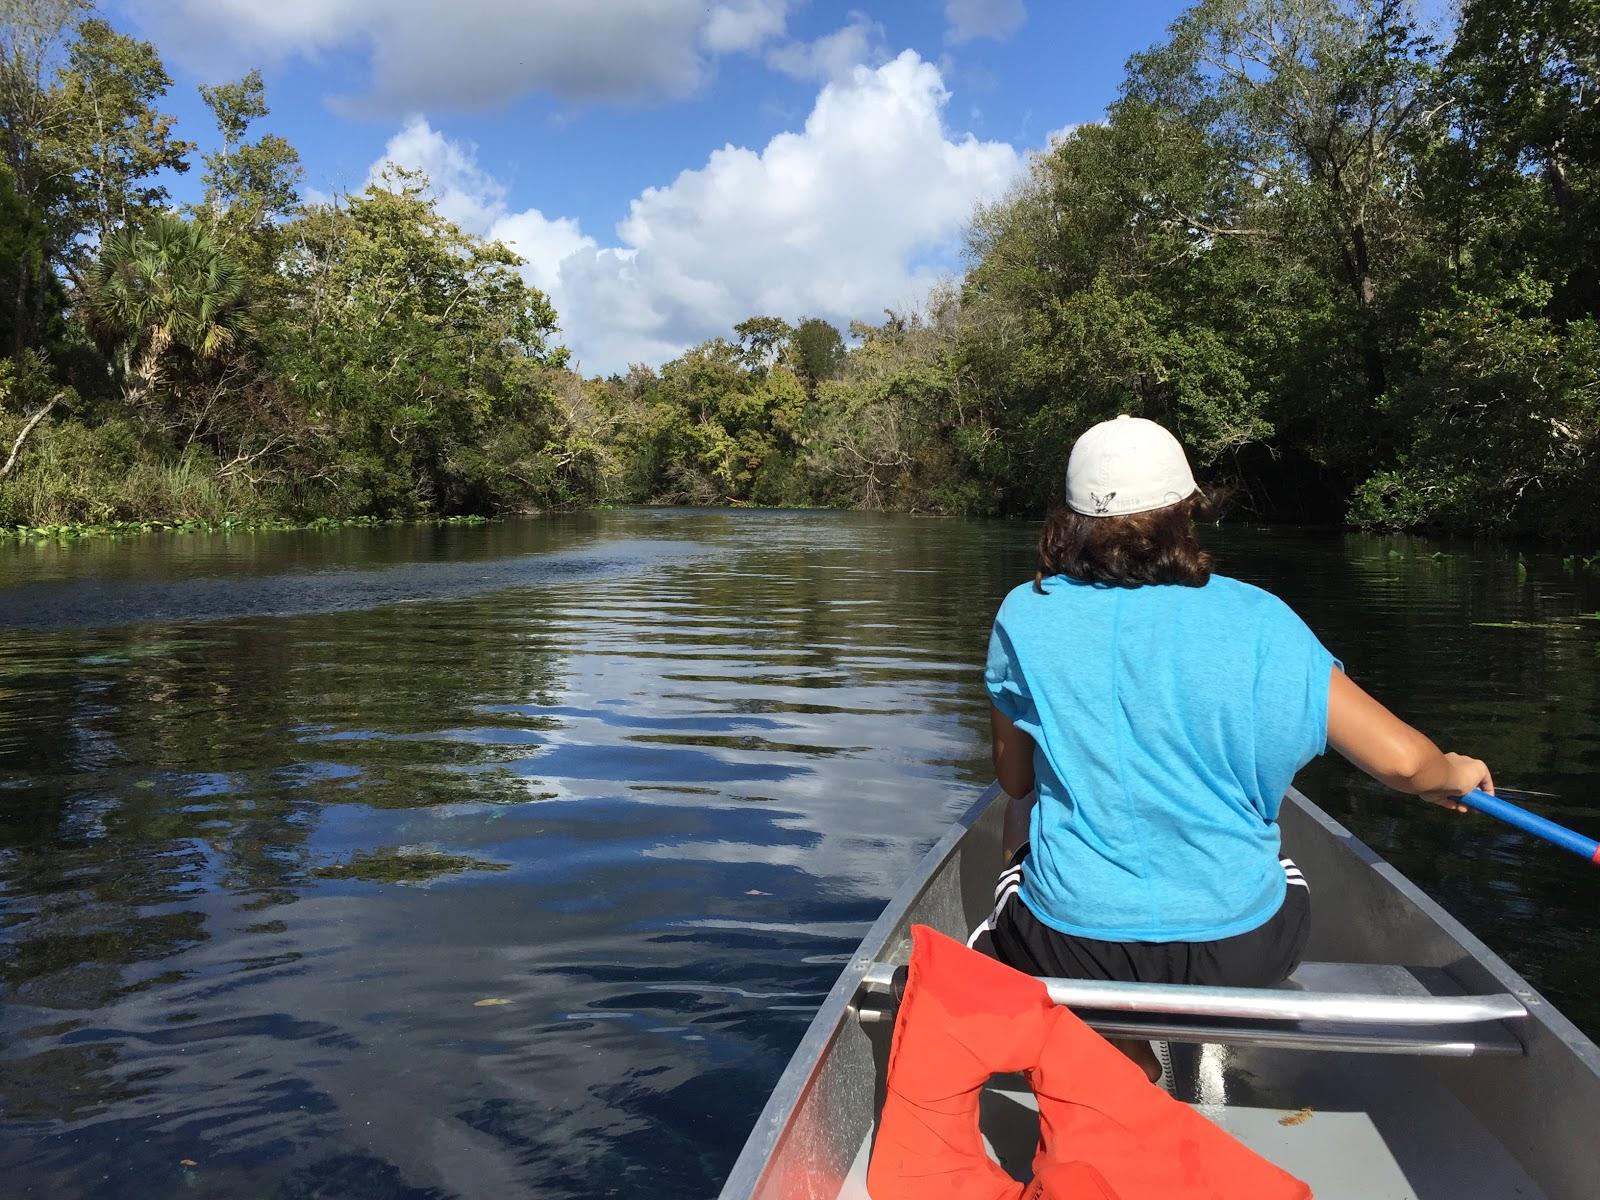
1403	1061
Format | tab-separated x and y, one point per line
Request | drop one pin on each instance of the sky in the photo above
669	167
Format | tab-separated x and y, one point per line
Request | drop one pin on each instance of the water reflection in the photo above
528	885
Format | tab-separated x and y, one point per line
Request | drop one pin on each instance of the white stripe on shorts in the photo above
1010	882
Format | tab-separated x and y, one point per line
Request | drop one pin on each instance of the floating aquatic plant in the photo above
405	864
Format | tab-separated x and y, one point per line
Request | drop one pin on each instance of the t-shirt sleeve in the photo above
1291	698
1002	676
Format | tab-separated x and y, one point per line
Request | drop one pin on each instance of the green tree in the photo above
704	427
411	343
119	140
21	257
82	139
249	186
763	339
27	397
1094	290
885	427
1315	104
1525	76
816	350
1502	409
34	121
162	298
718	425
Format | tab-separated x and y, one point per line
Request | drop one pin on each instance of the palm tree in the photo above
159	293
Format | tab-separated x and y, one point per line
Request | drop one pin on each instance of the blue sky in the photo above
669	167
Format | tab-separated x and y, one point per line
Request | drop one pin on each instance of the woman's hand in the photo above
1462	774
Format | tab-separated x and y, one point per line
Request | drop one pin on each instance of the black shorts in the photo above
1260	957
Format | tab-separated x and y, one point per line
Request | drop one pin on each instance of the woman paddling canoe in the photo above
1148	716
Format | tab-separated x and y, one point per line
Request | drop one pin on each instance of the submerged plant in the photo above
405	864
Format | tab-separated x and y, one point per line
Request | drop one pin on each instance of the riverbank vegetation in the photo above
1355	267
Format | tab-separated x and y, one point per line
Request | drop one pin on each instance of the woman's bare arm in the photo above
1392	752
1013	767
1013	754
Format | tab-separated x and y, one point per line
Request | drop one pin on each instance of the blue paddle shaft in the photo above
1539	827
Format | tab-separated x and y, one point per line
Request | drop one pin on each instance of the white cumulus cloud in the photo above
858	42
858	210
970	19
425	54
744	24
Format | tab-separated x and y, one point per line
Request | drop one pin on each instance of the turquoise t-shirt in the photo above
1169	721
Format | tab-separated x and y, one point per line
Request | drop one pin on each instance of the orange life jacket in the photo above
1106	1132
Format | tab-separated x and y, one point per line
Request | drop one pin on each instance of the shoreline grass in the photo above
77	531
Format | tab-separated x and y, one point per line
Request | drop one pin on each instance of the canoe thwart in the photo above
1423	1041
1386	1005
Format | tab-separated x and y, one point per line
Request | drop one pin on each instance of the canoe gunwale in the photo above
1479	959
772	1125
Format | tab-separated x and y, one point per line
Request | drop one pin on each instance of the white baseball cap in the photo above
1127	465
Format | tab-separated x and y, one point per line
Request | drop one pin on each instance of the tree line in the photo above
1355	266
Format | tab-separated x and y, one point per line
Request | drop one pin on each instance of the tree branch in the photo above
27	428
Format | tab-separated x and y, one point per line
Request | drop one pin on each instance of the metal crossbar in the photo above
1264	1004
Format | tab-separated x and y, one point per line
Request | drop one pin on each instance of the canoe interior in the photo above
1353	1126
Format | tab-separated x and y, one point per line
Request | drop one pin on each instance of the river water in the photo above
512	860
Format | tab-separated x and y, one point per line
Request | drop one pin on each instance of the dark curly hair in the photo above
1158	546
